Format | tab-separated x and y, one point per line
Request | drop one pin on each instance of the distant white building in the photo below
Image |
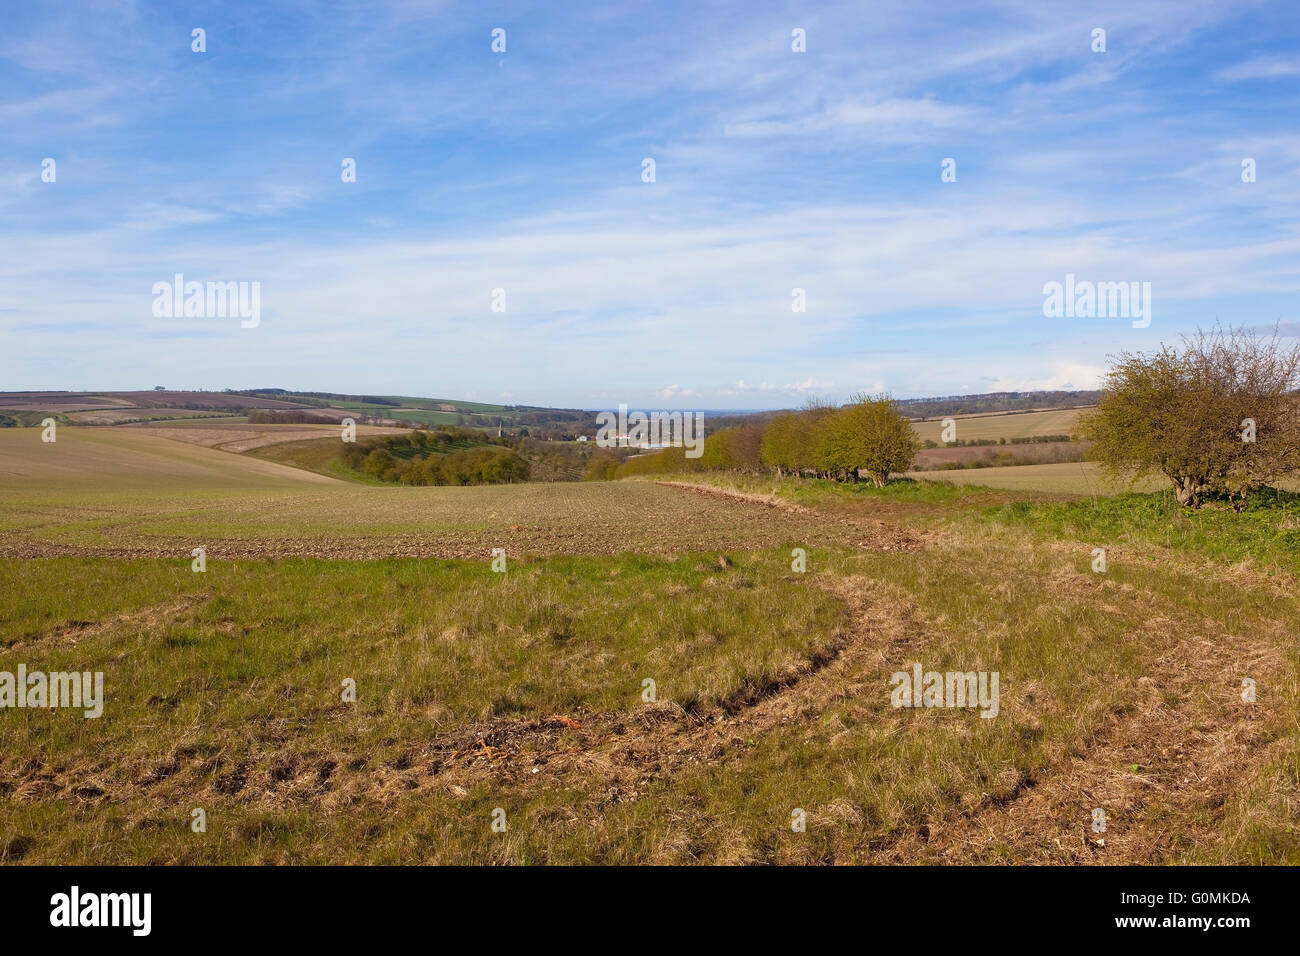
625	440
582	438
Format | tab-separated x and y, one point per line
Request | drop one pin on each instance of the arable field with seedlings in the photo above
1057	421
1074	477
117	493
697	668
240	436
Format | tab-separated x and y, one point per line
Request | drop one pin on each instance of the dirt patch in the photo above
75	632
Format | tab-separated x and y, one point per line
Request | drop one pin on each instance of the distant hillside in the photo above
921	409
992	402
269	405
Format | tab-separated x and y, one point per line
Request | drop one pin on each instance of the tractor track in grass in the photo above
1162	770
627	751
1190	738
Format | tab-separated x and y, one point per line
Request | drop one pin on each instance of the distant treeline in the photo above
546	416
329	396
994	402
276	416
445	456
867	436
981	442
734	449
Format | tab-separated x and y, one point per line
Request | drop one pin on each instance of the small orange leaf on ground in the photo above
566	721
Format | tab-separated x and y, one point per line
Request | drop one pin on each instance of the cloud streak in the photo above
775	171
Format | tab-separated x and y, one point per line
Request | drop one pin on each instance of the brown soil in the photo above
678	522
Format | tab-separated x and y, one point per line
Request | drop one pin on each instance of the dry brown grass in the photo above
1120	691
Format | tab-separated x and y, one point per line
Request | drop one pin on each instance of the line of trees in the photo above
291	416
993	402
868	436
984	442
1219	417
730	449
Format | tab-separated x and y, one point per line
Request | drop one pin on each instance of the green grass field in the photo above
1072	478
525	690
1068	478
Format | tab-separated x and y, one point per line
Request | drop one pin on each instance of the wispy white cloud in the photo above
901	119
1260	68
776	170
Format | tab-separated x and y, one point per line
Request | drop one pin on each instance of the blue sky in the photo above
775	170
